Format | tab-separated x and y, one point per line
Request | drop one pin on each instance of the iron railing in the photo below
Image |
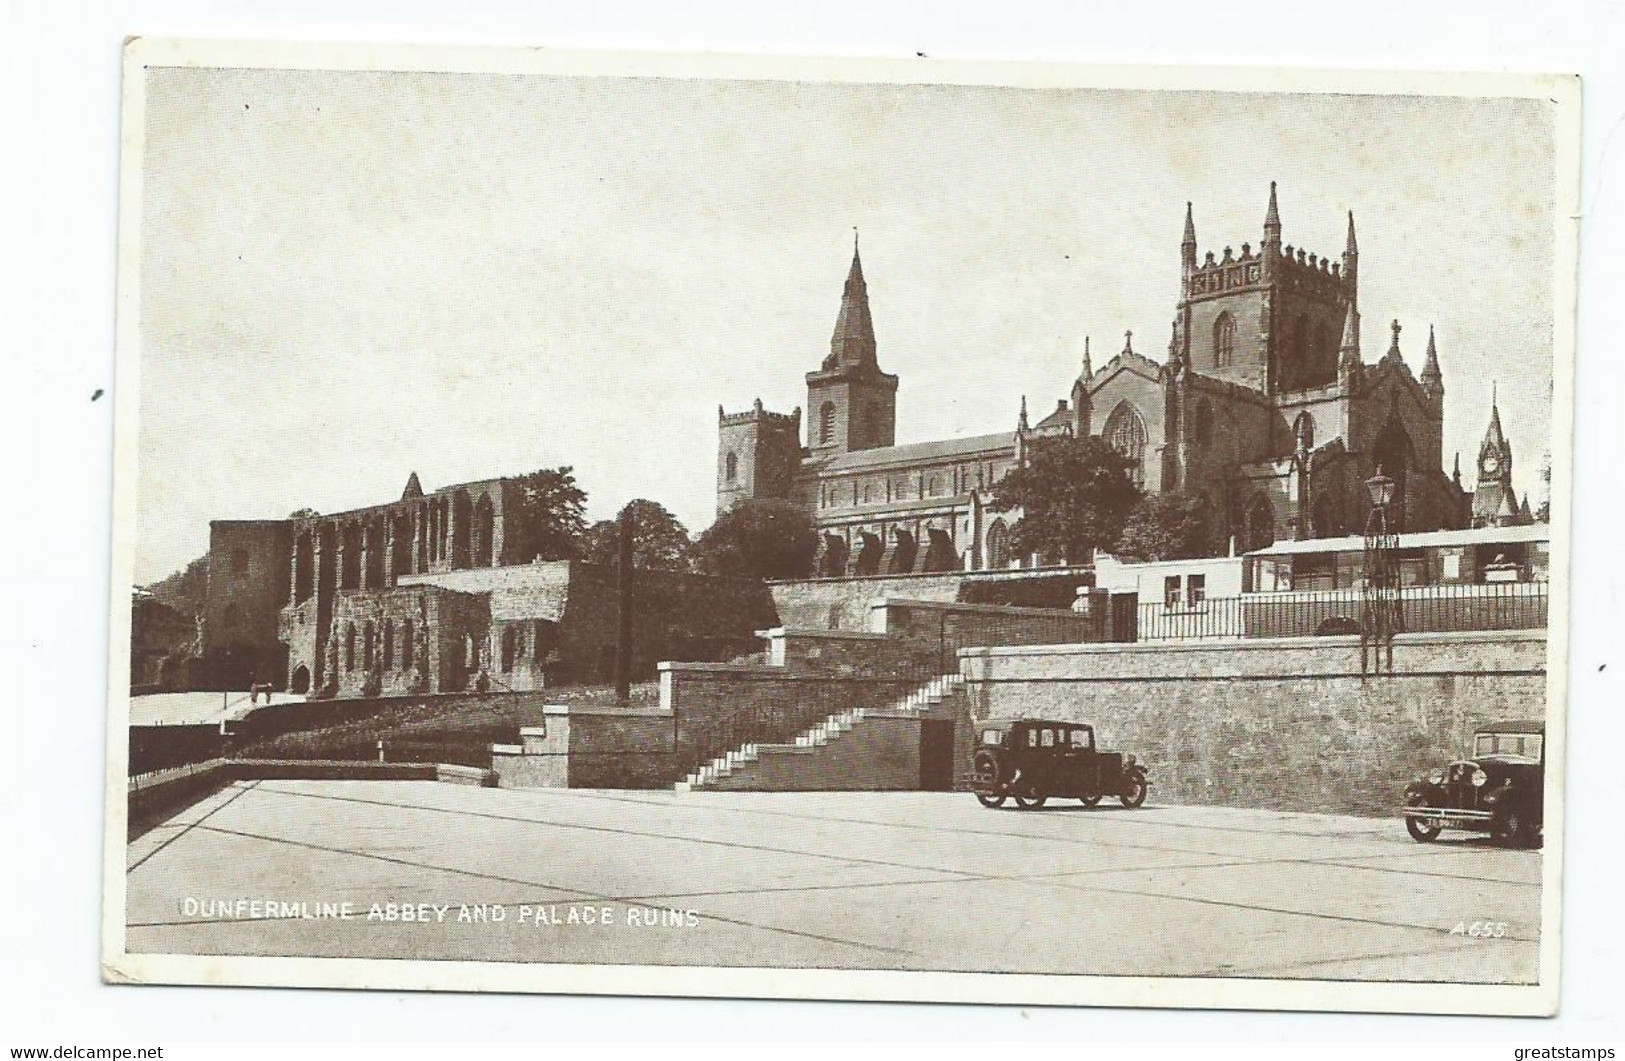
1421	609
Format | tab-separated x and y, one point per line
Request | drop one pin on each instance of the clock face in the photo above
1491	465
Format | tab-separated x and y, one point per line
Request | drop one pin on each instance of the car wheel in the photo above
1135	794
987	799
1511	829
1032	802
1090	801
1423	832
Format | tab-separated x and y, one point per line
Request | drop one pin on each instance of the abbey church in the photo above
1263	406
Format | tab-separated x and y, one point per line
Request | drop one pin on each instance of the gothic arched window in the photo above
731	468
1125	432
826	423
998	546
1303	431
1224	340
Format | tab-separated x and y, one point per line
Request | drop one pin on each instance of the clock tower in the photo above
1494	502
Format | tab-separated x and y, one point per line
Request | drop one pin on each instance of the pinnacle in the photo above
1393	353
1430	371
1190	226
1351	247
1351	329
1272	218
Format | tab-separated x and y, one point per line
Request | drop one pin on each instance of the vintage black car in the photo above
1030	760
1500	790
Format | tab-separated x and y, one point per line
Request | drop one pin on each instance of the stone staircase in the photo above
801	759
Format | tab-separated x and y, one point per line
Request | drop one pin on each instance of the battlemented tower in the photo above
1271	319
758	453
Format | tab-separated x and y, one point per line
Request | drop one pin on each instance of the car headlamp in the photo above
1437	777
1480	778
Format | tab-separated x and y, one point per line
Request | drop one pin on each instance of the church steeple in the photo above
1272	220
851	404
854	340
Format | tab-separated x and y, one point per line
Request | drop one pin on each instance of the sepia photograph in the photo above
830	528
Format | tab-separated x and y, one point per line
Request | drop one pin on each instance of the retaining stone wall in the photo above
1289	724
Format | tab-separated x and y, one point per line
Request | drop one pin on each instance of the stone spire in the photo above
1021	419
1272	220
414	489
1455	475
1350	369
854	340
1494	440
1082	406
1432	378
1351	261
1187	246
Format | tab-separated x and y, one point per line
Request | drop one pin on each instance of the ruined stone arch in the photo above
484	531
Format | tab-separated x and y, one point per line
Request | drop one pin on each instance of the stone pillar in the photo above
339	536
293	572
451	531
416	540
389	552
316	558
368	545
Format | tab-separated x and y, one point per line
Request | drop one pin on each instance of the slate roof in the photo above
915	453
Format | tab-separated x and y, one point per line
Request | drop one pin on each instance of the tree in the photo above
185	590
659	539
759	539
552	515
1074	496
1172	526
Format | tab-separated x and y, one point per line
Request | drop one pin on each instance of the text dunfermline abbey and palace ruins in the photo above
1264	407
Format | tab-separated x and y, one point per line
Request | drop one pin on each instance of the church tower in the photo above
1271	319
1494	503
851	404
758	453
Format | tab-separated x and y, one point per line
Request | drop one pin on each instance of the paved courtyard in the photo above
839	880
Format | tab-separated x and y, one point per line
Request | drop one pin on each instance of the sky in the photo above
347	277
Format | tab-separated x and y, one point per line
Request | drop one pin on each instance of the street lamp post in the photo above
1382	617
